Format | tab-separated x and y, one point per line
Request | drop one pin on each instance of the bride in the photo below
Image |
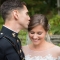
39	48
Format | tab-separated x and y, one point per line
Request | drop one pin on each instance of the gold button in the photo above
21	56
17	40
20	51
13	34
23	59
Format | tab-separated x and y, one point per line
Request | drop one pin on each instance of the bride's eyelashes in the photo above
39	33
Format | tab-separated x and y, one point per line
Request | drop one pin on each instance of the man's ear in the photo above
15	13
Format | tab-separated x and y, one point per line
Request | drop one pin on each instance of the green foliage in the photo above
22	36
1	22
55	24
40	6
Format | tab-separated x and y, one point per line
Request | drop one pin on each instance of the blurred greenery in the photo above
55	24
1	22
41	6
23	35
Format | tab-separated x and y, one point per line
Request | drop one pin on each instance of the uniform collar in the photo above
9	32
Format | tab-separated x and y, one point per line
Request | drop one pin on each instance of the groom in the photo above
15	16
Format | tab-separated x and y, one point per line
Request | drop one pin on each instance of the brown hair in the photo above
10	5
38	19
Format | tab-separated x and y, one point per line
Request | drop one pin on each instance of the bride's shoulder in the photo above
57	49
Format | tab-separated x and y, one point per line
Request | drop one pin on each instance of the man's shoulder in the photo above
3	41
1	35
2	38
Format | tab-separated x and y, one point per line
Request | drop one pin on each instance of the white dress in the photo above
49	54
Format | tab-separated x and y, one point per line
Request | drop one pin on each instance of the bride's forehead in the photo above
38	28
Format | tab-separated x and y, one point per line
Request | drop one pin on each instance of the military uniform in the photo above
10	47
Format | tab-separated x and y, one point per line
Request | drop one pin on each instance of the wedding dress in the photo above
49	54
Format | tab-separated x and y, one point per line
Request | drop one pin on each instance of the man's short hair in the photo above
10	5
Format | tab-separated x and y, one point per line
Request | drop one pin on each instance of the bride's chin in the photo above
35	44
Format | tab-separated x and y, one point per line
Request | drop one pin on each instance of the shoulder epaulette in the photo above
1	35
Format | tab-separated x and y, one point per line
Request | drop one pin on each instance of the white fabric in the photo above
49	54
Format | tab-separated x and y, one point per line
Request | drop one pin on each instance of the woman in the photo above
39	48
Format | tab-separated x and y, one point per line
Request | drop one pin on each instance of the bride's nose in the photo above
35	36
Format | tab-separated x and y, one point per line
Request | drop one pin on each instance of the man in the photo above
15	16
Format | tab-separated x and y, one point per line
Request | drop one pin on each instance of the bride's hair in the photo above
39	19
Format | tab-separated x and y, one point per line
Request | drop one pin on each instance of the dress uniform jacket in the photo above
9	49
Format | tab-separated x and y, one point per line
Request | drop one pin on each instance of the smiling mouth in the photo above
35	40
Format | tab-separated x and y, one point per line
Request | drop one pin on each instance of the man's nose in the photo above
28	17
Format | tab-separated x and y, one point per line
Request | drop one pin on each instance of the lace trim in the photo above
47	57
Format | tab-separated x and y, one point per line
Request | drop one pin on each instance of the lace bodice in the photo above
49	54
47	57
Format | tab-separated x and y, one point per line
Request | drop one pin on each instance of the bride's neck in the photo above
38	47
